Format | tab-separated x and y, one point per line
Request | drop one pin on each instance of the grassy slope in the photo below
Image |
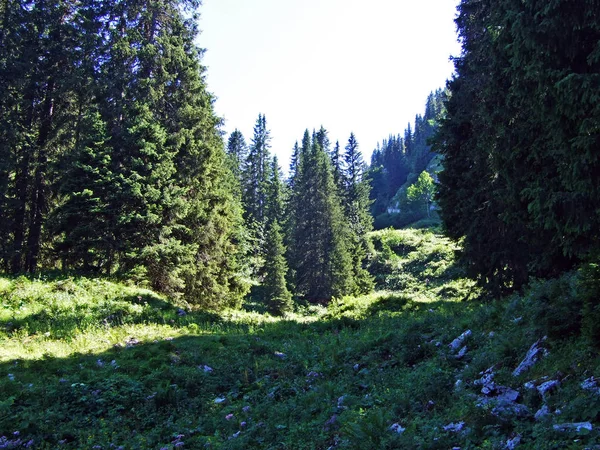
92	364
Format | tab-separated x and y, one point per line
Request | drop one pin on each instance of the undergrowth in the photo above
89	363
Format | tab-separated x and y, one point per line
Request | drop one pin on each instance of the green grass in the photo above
88	363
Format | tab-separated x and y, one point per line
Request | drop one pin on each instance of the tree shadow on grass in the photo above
146	394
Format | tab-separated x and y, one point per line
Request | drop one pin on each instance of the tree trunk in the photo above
38	197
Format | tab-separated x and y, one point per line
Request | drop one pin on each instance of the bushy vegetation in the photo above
89	363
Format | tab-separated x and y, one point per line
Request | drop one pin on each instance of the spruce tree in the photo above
274	290
356	206
237	152
320	255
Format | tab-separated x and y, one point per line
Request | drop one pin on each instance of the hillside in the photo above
90	363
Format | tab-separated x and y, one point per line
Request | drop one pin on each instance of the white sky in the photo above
349	65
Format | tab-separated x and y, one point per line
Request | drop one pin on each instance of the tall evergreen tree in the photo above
320	255
356	205
256	174
237	152
274	287
520	180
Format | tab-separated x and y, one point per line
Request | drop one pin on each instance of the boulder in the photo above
534	354
458	342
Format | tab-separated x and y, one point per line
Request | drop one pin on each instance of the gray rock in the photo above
511	444
458	342
454	427
576	426
397	428
591	384
503	407
547	387
542	413
535	352
462	352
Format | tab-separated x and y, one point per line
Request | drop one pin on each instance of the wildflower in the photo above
242	424
181	312
220	400
11	377
114	364
62	380
205	368
100	363
179	444
229	417
246	409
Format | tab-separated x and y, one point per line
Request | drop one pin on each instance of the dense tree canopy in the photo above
111	154
520	140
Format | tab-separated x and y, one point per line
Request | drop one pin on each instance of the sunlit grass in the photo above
91	363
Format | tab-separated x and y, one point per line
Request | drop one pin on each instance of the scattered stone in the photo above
458	342
591	384
454	427
511	409
517	319
578	426
312	374
333	421
529	385
220	400
356	366
462	352
205	368
280	355
491	334
504	406
511	444
181	312
486	380
11	377
548	386
542	413
397	428
131	342
507	394
535	352
340	401
458	384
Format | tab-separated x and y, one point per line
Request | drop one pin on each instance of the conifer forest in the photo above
164	284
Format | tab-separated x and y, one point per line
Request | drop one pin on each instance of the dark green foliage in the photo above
319	251
108	131
255	175
274	289
521	173
399	160
237	151
355	200
589	290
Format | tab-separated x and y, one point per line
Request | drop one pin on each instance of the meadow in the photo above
98	364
